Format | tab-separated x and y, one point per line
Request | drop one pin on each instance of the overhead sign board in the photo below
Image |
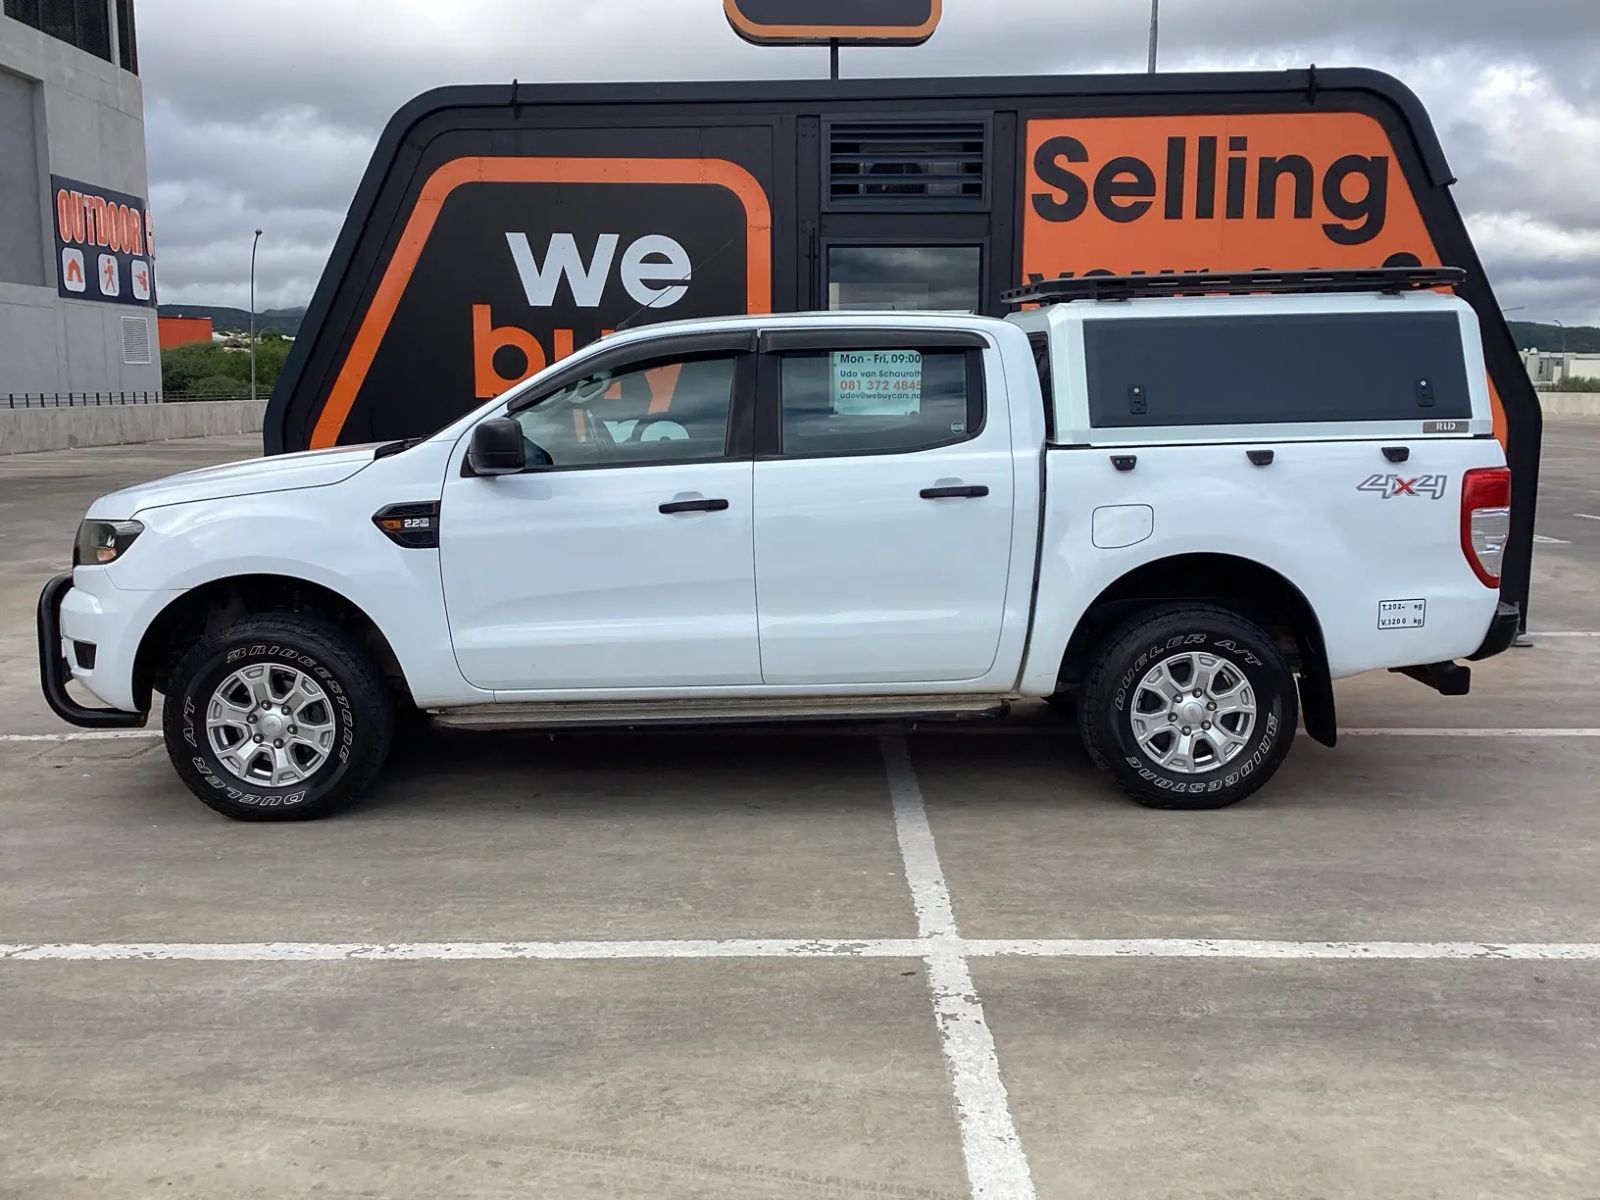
820	22
1204	192
508	263
104	248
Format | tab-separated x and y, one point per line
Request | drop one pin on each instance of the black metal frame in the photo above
54	672
1208	283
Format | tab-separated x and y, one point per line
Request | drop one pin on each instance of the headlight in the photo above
102	542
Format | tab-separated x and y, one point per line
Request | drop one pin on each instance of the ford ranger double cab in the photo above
1181	515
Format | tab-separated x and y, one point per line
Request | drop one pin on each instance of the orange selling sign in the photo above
1123	195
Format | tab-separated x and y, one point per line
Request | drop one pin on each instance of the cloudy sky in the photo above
266	114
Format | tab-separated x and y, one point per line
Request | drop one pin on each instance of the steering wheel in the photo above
670	430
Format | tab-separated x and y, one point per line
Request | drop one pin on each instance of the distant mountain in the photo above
237	320
1534	335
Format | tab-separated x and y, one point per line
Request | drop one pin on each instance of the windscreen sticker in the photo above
886	383
1402	614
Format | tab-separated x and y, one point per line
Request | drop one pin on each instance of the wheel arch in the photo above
217	602
1252	589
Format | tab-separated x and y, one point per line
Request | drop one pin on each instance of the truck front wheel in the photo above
280	717
1188	706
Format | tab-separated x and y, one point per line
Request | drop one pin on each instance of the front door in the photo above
884	497
625	562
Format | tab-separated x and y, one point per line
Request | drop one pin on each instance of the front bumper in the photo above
54	672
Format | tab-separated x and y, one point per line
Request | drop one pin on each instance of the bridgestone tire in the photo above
356	693
1110	689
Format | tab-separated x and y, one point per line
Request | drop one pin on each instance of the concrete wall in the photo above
87	119
1571	404
27	429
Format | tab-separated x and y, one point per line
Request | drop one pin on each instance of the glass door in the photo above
946	278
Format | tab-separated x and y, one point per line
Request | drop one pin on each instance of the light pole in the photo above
1155	24
253	242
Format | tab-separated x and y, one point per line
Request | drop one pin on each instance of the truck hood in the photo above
256	476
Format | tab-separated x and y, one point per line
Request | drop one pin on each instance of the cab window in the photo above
878	401
664	411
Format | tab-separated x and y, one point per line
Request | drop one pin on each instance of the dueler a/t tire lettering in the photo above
357	694
1123	659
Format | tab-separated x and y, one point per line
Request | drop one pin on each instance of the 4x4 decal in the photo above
1388	486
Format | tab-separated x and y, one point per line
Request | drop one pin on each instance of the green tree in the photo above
209	367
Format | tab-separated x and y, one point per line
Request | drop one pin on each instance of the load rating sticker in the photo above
1402	614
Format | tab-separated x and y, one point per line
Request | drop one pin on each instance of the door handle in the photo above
683	506
969	492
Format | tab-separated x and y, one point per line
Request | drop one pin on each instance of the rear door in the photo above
883	500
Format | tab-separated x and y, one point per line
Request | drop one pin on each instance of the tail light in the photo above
1486	520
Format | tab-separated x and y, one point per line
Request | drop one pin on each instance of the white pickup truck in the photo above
1183	514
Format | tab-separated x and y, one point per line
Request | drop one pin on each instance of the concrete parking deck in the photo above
943	962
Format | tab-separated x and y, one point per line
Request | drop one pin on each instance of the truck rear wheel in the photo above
1189	706
277	718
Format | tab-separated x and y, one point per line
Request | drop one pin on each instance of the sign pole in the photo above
1155	23
253	242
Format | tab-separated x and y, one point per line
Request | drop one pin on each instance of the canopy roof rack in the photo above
1208	283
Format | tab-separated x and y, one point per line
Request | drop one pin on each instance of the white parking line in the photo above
755	948
1541	540
1587	516
930	895
1458	731
1566	633
1241	948
997	1167
458	951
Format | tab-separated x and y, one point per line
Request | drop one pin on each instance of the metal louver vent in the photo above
136	340
884	162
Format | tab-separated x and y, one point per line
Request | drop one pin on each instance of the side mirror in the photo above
497	448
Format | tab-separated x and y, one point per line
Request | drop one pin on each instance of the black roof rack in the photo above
1206	283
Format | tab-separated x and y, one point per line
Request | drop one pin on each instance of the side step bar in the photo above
575	714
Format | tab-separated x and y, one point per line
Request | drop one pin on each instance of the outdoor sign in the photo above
820	22
506	264
1270	191
104	247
